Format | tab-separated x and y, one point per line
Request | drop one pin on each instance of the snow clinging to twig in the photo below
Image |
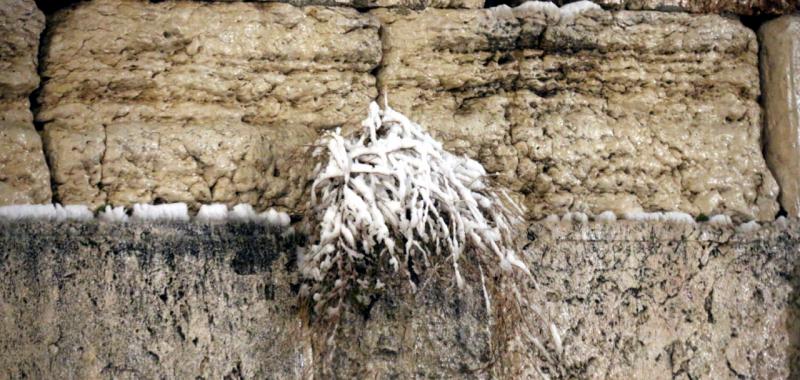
393	192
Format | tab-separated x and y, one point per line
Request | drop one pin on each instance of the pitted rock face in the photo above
198	102
593	111
23	172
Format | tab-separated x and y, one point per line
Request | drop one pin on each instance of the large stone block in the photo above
591	111
631	300
24	177
183	101
780	71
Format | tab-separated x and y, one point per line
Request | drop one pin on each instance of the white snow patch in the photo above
750	226
642	216
678	217
606	216
538	7
28	212
502	11
113	214
276	218
170	211
572	10
215	212
47	212
721	220
77	212
243	212
578	217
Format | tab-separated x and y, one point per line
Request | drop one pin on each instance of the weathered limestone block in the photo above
597	111
631	300
741	7
23	172
780	71
190	101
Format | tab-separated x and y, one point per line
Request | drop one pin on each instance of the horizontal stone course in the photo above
630	300
574	111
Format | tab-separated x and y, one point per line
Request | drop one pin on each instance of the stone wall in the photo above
631	300
574	111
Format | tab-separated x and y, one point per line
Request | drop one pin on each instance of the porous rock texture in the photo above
198	102
631	300
740	7
589	111
780	72
24	177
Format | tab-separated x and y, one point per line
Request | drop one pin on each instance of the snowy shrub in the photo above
390	195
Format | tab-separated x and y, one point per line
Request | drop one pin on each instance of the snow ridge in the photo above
144	212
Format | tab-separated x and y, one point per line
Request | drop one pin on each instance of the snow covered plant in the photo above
391	195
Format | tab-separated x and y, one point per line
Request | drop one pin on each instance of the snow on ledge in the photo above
113	214
55	212
539	7
218	212
571	11
169	211
145	212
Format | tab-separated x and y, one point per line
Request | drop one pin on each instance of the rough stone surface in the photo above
198	102
663	301
741	7
780	72
598	111
23	172
185	300
413	4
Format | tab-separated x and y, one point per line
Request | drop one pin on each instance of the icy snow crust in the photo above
145	212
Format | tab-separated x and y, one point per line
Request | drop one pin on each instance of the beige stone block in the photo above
597	111
199	102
